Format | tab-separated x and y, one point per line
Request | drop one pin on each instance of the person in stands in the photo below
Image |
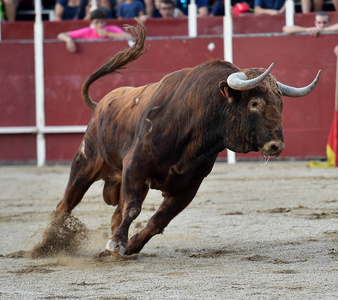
10	9
269	7
97	30
105	5
70	9
166	9
322	23
239	7
307	4
202	7
130	9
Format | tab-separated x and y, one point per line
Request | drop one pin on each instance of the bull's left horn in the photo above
240	82
290	91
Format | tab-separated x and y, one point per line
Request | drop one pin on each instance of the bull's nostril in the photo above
274	148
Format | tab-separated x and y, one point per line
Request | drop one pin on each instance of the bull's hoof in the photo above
115	248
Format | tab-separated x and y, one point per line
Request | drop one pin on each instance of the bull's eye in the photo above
257	105
254	104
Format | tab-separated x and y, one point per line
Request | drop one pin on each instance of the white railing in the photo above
289	12
42	130
228	54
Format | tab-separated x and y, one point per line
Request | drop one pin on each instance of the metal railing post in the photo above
39	86
227	42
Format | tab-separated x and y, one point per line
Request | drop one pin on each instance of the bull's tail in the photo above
117	62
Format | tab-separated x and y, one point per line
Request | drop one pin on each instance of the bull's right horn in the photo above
240	82
290	91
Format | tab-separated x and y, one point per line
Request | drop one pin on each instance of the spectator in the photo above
149	7
269	7
202	7
70	9
130	9
217	8
166	9
307	4
335	4
105	5
239	7
97	30
156	10
10	8
322	23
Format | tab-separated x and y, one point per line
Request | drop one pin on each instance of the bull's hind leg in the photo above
85	169
133	192
170	207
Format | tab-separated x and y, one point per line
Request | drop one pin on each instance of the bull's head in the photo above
262	96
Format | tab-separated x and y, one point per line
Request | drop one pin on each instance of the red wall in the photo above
297	59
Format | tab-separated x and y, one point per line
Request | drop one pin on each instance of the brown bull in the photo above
167	136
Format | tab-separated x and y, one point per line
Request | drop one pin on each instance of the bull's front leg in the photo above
170	207
133	192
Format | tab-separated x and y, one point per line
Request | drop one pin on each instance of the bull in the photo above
167	135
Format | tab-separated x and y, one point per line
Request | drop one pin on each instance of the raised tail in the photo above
117	62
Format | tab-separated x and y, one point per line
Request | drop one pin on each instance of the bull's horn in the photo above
240	82
290	91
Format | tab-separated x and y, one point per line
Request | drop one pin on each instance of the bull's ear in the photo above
225	90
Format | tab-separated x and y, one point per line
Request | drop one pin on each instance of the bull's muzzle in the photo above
272	148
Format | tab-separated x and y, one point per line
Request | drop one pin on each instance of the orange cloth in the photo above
331	147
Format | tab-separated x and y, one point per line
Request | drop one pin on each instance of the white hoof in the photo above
113	247
121	250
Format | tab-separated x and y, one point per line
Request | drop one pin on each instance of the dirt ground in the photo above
253	231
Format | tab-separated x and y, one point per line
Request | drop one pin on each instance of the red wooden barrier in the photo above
297	59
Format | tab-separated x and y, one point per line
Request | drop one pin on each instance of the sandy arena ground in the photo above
252	232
